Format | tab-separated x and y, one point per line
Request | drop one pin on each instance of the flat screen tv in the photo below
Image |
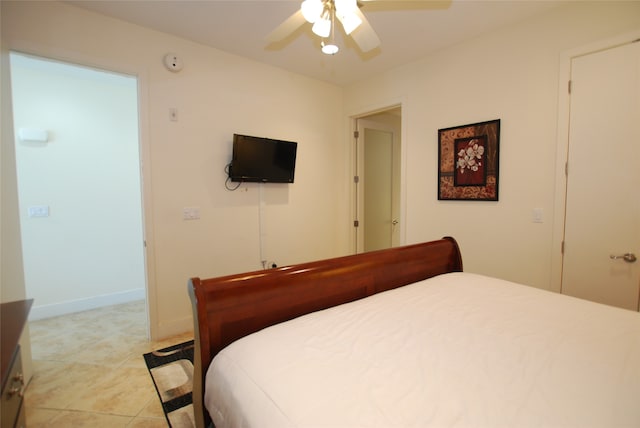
262	160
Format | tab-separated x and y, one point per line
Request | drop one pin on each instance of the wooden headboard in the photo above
230	307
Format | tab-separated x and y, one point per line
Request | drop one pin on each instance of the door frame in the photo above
142	78
562	145
353	162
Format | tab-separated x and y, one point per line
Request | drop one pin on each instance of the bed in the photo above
403	338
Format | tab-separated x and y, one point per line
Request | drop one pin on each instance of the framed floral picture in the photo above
468	158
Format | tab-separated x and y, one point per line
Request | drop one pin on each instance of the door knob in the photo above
628	257
394	222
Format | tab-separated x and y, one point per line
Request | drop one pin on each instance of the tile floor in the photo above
88	370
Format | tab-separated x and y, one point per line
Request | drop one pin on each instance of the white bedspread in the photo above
458	350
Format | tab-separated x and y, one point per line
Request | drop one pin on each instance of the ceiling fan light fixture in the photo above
330	48
322	26
312	10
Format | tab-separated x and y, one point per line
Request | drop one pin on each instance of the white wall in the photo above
511	74
88	177
216	94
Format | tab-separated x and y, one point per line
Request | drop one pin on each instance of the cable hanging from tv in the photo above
228	180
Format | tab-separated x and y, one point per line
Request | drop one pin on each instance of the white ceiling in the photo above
240	27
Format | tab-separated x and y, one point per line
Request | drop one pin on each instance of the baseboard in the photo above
79	305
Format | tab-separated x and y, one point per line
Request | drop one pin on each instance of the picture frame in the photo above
468	162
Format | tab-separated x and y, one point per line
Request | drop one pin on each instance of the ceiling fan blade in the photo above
374	5
290	25
364	36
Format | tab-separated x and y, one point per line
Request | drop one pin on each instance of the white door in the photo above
602	224
378	173
378	186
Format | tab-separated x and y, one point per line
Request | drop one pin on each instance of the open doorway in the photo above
79	185
378	180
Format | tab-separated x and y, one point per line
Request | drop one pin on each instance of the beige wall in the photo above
511	74
216	94
11	272
10	250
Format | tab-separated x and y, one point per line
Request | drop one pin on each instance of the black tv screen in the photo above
262	160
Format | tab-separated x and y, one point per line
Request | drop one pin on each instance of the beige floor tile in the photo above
135	360
122	392
111	350
68	419
57	384
148	423
37	417
61	345
153	409
89	370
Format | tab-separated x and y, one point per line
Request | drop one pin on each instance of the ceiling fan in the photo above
323	14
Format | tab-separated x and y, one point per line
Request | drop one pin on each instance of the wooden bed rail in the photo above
230	307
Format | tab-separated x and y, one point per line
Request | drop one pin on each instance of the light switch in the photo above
38	211
191	213
537	215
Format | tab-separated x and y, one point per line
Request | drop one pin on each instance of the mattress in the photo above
456	350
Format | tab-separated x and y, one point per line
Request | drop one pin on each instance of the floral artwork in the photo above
468	162
470	159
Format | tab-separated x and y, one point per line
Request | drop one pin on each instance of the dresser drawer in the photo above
13	392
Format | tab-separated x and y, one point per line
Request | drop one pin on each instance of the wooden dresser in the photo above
13	316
